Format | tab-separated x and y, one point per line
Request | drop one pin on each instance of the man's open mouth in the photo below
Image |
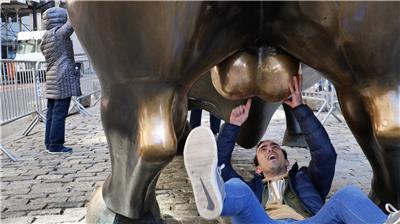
271	157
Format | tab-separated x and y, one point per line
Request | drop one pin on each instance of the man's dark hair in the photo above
255	157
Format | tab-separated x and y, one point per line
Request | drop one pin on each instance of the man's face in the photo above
271	159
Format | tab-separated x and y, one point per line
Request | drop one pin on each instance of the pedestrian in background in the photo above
62	78
195	121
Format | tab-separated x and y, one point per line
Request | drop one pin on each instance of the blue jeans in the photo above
195	120
349	205
57	111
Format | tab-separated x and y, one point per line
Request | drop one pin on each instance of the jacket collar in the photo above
258	179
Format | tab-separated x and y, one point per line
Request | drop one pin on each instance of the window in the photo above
26	46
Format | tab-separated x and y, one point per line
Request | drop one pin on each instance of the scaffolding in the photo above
14	20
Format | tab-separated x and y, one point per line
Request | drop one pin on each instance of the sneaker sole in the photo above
58	152
200	158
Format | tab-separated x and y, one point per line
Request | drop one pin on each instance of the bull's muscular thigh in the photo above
374	121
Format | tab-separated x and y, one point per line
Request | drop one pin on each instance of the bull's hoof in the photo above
294	140
148	219
98	213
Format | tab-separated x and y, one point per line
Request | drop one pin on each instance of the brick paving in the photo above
43	188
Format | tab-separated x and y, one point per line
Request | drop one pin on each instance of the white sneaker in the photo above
394	214
201	158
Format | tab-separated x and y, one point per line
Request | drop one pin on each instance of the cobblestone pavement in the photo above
43	188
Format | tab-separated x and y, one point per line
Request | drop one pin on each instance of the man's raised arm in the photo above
227	138
321	168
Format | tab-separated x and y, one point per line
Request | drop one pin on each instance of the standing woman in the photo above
62	79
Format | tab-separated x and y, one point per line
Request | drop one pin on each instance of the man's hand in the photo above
296	98
240	113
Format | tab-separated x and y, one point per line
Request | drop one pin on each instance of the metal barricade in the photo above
19	90
324	92
333	103
22	91
7	153
89	86
316	96
40	88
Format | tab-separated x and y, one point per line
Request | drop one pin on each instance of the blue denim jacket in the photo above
312	183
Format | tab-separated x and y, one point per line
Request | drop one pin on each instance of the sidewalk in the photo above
43	188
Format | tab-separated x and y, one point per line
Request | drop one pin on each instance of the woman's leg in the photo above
195	118
57	133
49	116
241	204
215	124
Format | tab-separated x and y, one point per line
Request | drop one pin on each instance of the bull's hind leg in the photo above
373	116
293	135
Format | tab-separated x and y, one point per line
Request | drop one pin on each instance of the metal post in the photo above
7	20
7	153
332	102
38	116
1	50
34	16
18	21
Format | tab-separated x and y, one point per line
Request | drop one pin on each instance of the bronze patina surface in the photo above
149	55
356	45
264	72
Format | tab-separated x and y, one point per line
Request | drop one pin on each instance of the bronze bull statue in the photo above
149	55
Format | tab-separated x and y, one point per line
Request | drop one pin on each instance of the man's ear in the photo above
287	164
259	170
